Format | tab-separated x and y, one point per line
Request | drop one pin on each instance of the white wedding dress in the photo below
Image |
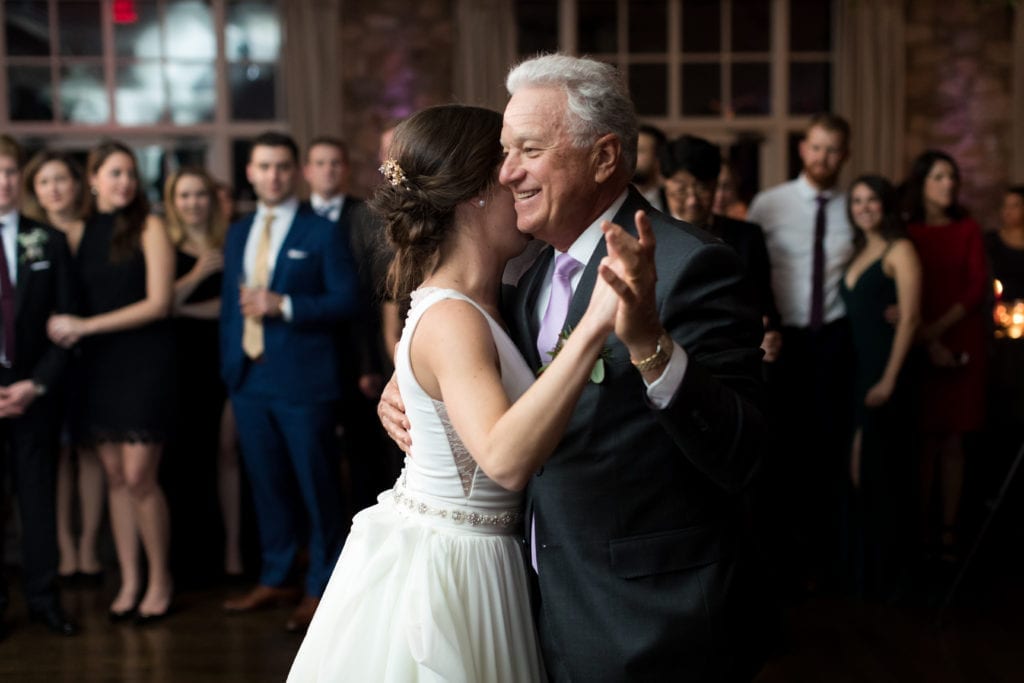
431	584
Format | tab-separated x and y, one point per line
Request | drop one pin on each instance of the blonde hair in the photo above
216	224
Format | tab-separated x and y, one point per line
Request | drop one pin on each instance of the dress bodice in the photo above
441	476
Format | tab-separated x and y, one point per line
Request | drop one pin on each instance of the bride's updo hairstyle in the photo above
439	158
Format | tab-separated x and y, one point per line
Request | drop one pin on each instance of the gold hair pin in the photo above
393	172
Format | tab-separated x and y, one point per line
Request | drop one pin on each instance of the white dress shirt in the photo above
284	214
9	235
328	208
661	391
787	215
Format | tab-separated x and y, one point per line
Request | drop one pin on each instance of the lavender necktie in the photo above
558	305
550	327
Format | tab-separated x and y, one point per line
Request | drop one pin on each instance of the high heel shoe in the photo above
150	619
116	617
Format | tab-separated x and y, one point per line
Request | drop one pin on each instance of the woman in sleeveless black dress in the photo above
126	265
204	466
884	273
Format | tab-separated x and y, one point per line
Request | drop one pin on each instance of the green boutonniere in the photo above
596	374
32	243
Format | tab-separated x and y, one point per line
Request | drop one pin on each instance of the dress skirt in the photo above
415	597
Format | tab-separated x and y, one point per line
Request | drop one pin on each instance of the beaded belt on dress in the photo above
507	519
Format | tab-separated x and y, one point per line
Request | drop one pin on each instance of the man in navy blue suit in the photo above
289	280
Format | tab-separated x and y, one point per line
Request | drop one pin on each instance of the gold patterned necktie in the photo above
252	331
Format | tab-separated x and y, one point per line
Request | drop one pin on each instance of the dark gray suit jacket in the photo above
636	509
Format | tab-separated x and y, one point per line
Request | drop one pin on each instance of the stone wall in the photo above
959	93
396	58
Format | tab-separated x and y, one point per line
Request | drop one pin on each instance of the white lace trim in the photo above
464	462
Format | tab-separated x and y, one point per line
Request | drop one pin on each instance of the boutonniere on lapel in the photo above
596	374
32	244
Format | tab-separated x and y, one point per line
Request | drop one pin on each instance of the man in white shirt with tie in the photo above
810	241
361	351
289	281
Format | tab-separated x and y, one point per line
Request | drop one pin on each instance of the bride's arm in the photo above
454	359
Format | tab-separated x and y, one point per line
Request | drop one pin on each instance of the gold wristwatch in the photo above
658	359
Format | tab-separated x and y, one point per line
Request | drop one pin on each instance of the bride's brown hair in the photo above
439	158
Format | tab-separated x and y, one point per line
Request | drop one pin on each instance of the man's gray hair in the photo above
599	101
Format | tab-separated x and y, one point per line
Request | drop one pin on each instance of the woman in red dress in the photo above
955	281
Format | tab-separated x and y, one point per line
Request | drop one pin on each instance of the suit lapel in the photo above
526	303
581	297
291	237
20	266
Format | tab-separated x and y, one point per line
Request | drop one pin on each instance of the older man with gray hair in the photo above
634	525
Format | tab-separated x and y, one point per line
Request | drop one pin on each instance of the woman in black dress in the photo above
126	265
55	194
205	436
884	272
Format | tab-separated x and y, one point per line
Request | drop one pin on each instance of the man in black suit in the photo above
691	166
634	526
362	357
35	283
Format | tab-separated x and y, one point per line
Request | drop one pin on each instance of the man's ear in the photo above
605	155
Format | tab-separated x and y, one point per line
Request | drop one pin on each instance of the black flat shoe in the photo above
119	617
150	619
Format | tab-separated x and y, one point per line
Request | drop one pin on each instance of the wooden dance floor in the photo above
828	640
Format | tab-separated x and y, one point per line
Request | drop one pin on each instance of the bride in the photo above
431	584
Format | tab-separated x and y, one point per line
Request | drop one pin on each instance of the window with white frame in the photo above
181	81
745	74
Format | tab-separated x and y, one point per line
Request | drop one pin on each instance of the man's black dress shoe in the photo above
55	620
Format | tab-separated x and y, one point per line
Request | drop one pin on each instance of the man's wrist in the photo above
657	358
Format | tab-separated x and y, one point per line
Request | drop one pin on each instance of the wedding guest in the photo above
691	166
205	461
126	267
1005	249
727	195
55	194
361	353
35	282
289	281
955	284
649	177
810	240
628	521
883	273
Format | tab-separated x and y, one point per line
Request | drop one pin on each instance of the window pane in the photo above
139	96
648	26
702	26
751	26
597	26
810	25
252	91
751	89
648	83
192	92
78	23
139	38
537	24
810	87
27	28
252	31
83	95
702	90
29	93
190	30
